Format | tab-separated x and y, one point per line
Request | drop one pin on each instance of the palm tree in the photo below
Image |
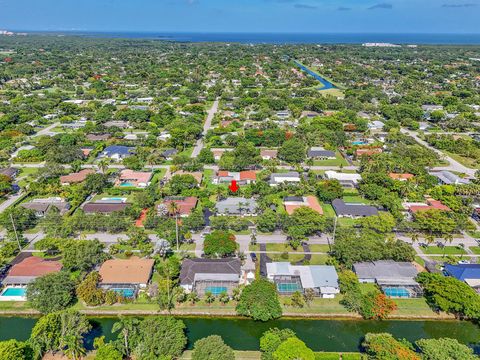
174	211
127	326
103	165
73	347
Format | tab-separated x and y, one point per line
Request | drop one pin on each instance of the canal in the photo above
242	334
326	85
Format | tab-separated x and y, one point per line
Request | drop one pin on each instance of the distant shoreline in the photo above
278	38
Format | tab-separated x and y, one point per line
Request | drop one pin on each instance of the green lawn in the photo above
319	248
447	250
347	222
328	210
355	199
291	257
339	161
319	259
282	247
419	260
475	249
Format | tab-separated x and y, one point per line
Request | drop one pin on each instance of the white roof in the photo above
330	174
311	276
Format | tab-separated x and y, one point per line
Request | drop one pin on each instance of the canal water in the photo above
243	334
326	85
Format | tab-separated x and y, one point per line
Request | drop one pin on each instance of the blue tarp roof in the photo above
463	271
118	149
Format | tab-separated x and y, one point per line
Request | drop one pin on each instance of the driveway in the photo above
454	164
4	205
208	123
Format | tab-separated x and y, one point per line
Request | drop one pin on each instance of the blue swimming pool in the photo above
397	292
216	290
14	292
125	292
127	184
359	143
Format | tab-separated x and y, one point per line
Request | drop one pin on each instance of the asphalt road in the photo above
208	123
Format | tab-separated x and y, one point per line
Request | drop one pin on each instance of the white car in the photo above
463	262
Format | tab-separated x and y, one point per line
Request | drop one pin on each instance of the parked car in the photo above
253	256
463	262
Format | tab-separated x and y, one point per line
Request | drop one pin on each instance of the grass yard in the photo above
319	248
447	250
347	222
328	210
356	199
282	247
475	249
413	307
319	259
187	246
420	261
468	162
339	161
291	257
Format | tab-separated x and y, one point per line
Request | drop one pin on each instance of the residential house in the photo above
348	180
309	114
468	273
197	175
98	137
104	207
242	177
292	203
76	177
446	177
396	279
210	275
320	153
268	154
367	152
169	154
117	123
322	279
30	268
353	210
126	276
42	206
400	177
283	115
116	152
218	152
376	125
430	204
236	206
292	177
131	178
184	204
11	172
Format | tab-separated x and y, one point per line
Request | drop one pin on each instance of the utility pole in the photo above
334	230
16	235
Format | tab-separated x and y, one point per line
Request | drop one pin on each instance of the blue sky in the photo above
311	16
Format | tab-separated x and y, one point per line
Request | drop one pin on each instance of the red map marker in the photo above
233	187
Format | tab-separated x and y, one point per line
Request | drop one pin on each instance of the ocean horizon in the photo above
281	38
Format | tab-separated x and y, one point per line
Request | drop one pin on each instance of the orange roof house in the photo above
430	205
77	177
292	203
29	269
400	177
127	271
368	152
185	204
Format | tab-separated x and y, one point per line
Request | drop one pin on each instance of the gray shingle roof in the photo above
195	267
385	269
342	208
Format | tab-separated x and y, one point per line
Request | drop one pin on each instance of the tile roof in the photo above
35	266
105	208
76	177
397	176
126	271
185	204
